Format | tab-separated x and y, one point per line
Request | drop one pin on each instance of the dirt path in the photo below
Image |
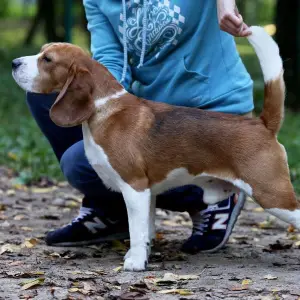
253	265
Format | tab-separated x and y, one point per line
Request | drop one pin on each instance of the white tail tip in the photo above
267	51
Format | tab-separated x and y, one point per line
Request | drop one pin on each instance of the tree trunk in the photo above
288	39
45	13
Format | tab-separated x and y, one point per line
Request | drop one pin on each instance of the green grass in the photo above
24	149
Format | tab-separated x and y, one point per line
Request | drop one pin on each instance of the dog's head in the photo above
61	68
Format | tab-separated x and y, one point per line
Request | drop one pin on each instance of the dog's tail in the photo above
271	63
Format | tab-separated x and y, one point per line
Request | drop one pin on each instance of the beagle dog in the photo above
142	148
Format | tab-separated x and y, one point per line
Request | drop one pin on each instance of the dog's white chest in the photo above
99	161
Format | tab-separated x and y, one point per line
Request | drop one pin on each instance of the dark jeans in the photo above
68	147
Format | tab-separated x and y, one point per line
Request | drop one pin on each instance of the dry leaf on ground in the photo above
10	248
34	282
182	292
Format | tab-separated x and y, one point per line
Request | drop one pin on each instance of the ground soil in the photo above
261	260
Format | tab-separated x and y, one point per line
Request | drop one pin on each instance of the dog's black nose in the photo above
16	63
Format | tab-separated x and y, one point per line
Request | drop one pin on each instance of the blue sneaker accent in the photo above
87	229
213	225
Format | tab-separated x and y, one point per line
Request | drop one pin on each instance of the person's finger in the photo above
245	31
230	28
237	20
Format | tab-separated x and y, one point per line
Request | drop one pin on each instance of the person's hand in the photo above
230	19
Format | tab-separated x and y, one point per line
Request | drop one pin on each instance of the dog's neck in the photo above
107	87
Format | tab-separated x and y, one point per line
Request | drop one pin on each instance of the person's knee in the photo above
76	167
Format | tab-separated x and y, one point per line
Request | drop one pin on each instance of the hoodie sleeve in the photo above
105	45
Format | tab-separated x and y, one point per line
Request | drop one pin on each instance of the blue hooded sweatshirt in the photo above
170	51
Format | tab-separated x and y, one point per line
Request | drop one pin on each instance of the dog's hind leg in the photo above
280	202
272	187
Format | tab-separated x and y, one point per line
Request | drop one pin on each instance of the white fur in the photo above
99	160
101	101
215	188
27	72
289	216
267	51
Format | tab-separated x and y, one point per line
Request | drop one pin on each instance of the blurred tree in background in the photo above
287	22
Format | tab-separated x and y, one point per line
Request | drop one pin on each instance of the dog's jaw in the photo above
26	74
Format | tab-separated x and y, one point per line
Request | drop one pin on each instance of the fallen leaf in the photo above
73	290
246	281
254	229
159	236
55	254
267	298
170	278
10	193
20	217
241	237
43	190
267	224
30	243
74	272
297	244
26	228
20	187
118	246
2	207
187	277
10	248
37	273
258	209
72	197
87	289
28	284
182	292
71	204
291	229
63	184
117	269
170	223
270	277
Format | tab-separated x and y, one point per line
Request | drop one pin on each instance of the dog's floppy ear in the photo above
74	103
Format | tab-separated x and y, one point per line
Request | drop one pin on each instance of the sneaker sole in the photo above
234	216
117	236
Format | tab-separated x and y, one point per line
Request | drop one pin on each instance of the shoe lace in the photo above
201	223
83	212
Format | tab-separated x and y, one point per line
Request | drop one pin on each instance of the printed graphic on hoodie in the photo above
164	26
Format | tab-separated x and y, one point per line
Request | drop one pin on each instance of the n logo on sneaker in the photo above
93	226
220	222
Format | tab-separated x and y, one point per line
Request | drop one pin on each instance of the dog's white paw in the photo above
136	260
135	264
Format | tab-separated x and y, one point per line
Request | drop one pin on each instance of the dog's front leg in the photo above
138	209
152	230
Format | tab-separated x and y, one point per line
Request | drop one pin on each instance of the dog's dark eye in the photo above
47	59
